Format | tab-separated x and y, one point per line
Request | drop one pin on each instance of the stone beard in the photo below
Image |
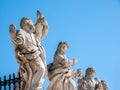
29	54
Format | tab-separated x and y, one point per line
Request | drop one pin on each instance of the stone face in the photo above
29	54
59	72
87	82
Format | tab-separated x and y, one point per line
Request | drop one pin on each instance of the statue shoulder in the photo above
20	33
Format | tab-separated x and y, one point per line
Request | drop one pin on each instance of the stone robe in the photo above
60	74
31	57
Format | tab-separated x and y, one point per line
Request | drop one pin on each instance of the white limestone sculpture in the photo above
29	53
59	72
101	84
88	82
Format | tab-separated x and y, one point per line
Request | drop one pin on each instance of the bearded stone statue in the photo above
28	51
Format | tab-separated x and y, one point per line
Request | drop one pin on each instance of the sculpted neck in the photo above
26	29
61	52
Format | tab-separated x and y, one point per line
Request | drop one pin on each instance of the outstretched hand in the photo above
12	28
40	18
39	15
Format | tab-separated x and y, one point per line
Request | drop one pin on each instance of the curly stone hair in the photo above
90	70
59	46
61	43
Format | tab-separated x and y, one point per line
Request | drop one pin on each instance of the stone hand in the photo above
97	79
39	15
40	18
79	71
12	31
74	61
12	28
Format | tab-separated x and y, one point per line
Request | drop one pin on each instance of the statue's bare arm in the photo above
41	27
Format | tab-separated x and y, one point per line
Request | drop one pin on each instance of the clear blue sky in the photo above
91	27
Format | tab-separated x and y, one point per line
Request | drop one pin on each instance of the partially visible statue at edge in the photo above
29	53
59	72
87	82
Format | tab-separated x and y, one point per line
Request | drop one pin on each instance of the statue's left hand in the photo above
39	15
74	61
40	18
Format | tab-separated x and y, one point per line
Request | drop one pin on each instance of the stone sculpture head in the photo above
90	72
79	71
27	24
63	46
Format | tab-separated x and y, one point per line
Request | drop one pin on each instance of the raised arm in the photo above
12	30
41	27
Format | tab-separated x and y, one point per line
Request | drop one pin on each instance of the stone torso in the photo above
29	42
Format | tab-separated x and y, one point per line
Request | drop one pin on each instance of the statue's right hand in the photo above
40	18
12	31
12	28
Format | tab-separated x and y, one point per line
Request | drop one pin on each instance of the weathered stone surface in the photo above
29	54
87	82
59	72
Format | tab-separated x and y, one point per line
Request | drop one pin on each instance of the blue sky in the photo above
91	28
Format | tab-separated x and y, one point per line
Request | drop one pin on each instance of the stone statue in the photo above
59	72
88	83
79	74
104	84
29	53
100	85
